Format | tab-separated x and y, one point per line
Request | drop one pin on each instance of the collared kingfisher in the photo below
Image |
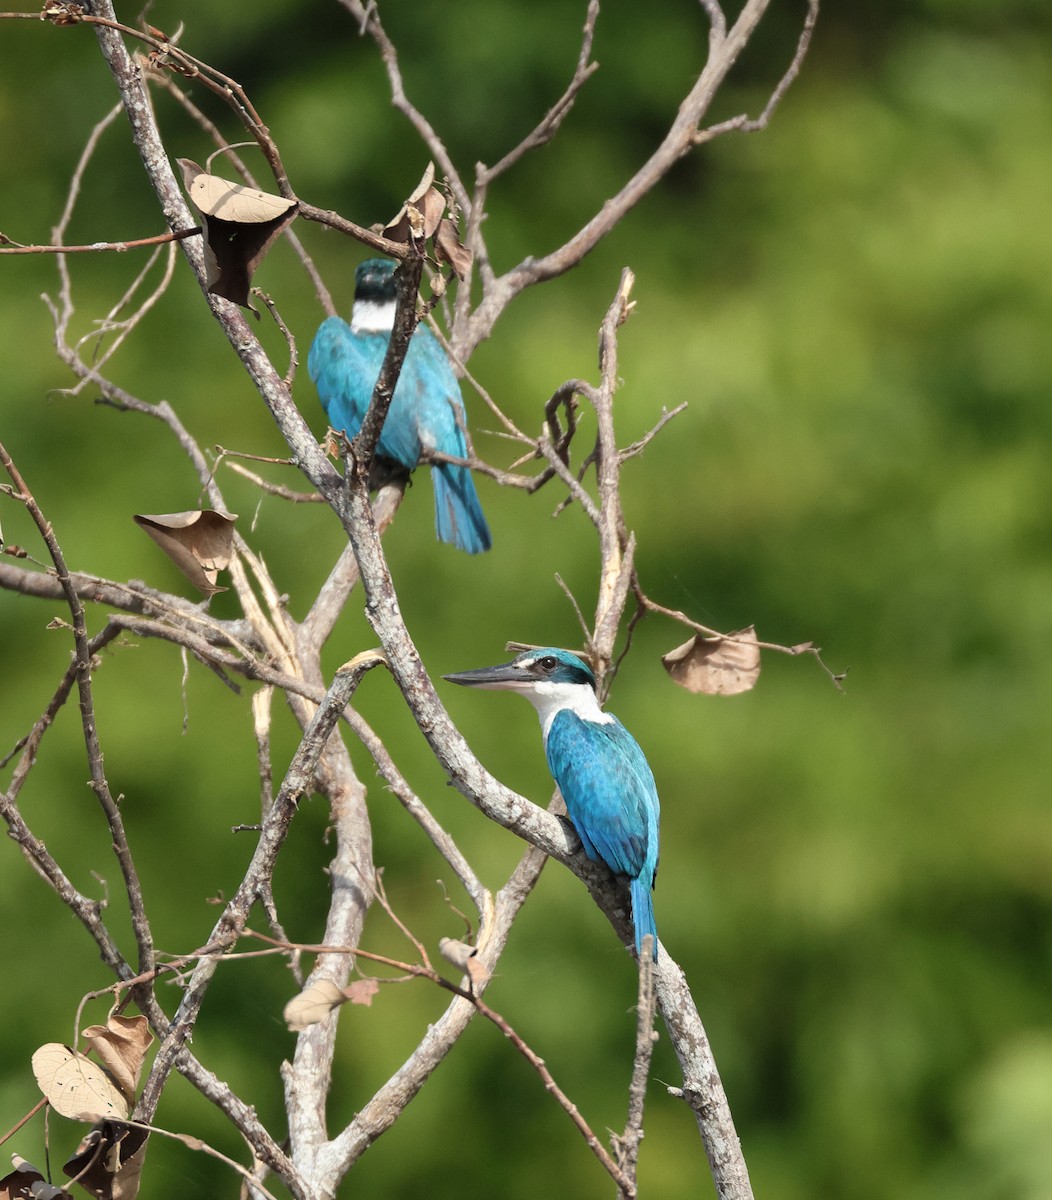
427	410
602	773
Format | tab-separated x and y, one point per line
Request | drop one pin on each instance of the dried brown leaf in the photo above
108	1162
716	666
421	213
26	1181
240	225
313	1005
417	218
200	542
214	196
425	185
449	248
361	991
76	1087
465	957
121	1046
129	1174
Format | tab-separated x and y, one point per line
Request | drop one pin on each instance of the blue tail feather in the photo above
643	913
458	514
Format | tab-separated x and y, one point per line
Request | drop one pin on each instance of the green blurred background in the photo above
856	305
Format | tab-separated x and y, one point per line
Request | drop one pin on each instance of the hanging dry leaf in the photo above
417	218
464	956
76	1087
121	1046
200	543
716	666
25	1180
421	213
240	225
362	991
449	248
313	1005
214	196
108	1162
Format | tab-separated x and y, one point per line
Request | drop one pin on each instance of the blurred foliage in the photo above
856	304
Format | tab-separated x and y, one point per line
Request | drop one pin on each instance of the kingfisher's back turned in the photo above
427	410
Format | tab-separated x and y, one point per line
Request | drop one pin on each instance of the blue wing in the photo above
434	394
345	366
612	800
426	410
609	791
340	368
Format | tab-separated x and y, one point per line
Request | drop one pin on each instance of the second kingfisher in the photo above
427	410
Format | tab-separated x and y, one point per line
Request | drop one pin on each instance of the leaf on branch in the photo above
362	991
421	213
108	1162
313	1005
121	1045
449	248
199	542
75	1087
716	666
464	956
240	225
25	1180
422	217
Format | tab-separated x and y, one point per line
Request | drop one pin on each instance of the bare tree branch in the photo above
267	645
83	664
627	1145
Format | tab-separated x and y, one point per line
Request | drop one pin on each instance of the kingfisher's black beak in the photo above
507	675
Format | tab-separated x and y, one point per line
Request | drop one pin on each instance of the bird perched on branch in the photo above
427	411
602	773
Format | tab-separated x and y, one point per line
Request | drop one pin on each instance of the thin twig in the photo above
626	1147
9	247
297	782
83	661
423	970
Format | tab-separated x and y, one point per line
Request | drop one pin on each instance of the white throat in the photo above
551	698
373	316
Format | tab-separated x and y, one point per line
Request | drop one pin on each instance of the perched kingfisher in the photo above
603	775
427	410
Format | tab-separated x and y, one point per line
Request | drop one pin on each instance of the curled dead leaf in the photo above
214	196
417	218
422	216
200	543
449	248
76	1087
362	991
716	666
121	1046
421	213
465	957
240	225
313	1005
25	1180
109	1160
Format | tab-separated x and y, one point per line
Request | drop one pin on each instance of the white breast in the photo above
370	316
551	698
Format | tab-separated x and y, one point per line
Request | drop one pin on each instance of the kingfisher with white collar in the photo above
601	772
427	409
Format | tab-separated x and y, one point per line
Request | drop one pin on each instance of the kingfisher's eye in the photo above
548	663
